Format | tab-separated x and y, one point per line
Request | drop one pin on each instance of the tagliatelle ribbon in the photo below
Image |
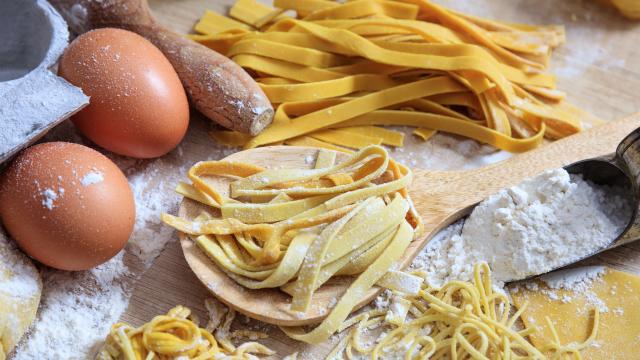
358	288
295	228
342	61
177	336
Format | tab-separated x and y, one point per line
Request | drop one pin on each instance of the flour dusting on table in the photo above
77	310
578	281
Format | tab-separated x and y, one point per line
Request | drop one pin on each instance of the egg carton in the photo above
33	99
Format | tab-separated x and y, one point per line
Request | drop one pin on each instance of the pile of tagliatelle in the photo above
338	71
294	229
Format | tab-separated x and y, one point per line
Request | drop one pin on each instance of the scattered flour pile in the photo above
543	223
575	279
77	309
579	281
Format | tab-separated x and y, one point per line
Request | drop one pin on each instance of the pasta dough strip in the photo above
307	277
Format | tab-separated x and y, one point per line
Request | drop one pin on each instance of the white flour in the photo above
445	152
93	177
18	278
49	196
579	281
575	279
32	98
528	229
77	310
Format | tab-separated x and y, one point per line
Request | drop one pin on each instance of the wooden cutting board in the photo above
598	68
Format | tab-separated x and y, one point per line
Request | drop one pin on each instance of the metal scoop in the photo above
621	169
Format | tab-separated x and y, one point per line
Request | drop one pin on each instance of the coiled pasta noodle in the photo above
370	63
175	336
297	228
460	320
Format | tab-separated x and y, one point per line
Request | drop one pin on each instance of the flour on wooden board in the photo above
76	311
445	152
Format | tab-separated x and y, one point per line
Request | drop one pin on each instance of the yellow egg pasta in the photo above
177	335
460	320
335	63
296	228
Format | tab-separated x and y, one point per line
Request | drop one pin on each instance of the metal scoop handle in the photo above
628	159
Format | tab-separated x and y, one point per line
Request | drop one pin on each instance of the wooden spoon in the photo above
440	197
216	86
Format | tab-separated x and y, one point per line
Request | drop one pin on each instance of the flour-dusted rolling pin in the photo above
216	86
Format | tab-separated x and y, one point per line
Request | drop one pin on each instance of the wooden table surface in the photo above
599	68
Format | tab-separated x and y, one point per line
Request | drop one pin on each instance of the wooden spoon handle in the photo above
216	86
461	189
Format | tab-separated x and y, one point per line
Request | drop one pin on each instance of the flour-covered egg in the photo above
137	104
66	205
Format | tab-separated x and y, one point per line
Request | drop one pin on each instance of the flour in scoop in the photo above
543	223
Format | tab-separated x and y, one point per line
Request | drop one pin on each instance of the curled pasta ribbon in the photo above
460	320
172	336
421	64
297	228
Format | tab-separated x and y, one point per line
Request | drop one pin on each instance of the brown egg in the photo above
66	205
138	106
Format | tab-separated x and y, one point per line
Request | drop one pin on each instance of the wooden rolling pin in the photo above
216	86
